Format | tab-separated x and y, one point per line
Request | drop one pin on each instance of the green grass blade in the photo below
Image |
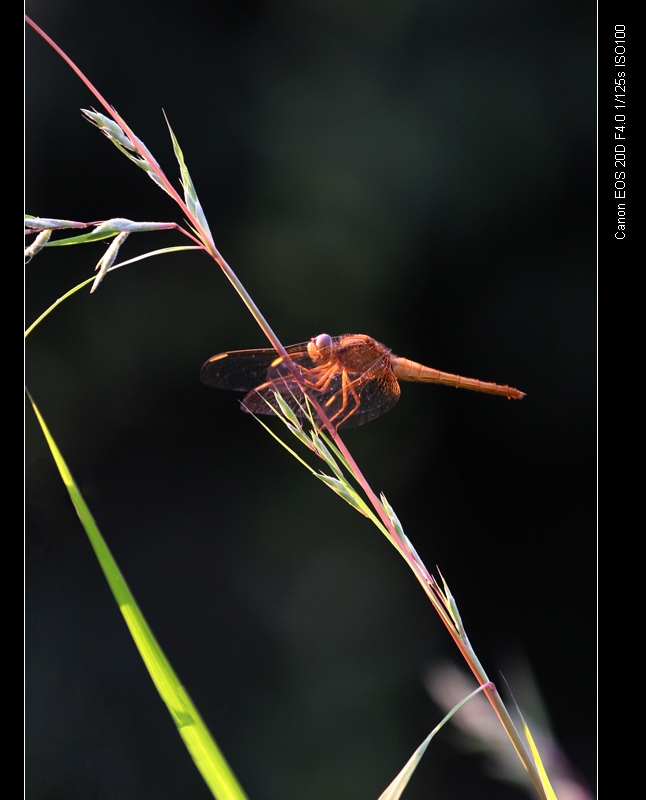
296	432
199	742
190	195
345	491
538	761
396	788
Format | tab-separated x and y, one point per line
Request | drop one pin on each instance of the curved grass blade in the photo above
197	738
396	788
90	280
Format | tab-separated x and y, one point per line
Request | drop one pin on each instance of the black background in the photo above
420	171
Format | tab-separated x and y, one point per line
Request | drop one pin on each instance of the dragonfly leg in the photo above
324	380
319	379
346	385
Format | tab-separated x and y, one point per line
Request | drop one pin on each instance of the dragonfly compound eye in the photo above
320	347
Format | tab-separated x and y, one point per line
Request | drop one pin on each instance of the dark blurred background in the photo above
423	172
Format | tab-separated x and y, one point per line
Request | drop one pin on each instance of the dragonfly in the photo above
353	378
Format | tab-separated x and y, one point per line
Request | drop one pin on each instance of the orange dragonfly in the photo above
353	378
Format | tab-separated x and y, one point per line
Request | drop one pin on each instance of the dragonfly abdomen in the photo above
406	370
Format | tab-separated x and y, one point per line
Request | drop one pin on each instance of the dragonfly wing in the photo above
378	391
262	399
243	370
279	378
348	398
239	370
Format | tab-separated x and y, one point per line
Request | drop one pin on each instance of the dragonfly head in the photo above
320	347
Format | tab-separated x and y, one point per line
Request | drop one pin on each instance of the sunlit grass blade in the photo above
37	245
396	788
344	490
339	484
324	436
390	512
108	259
326	454
549	791
284	444
538	761
112	130
451	606
287	412
199	742
190	195
132	148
